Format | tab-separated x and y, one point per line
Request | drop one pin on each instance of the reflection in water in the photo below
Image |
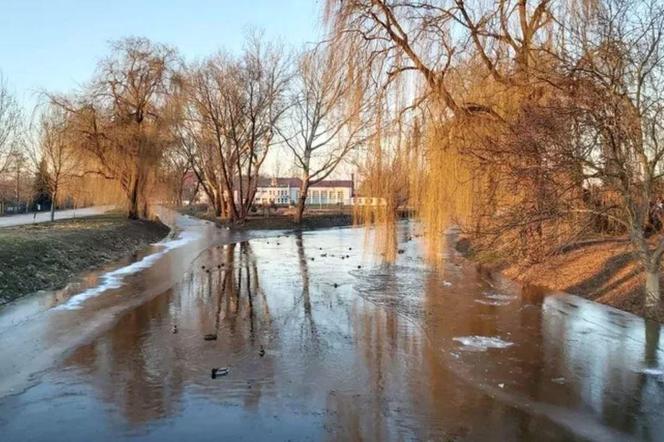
308	327
151	366
324	340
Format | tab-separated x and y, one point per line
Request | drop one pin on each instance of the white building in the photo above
286	191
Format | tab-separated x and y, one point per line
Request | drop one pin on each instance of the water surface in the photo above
323	341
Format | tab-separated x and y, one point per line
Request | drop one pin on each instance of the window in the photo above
340	195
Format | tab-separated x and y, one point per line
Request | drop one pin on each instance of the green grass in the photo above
47	256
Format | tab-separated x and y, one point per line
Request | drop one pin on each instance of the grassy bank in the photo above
604	271
47	256
276	222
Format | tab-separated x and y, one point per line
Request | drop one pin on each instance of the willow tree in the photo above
552	108
123	117
325	123
462	68
420	55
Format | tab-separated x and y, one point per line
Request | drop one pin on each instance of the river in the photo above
314	337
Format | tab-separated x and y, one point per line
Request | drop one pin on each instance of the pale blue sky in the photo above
55	44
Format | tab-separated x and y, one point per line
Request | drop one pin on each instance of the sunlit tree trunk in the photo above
302	200
652	295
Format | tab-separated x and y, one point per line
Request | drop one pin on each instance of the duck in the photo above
359	267
261	352
210	337
174	329
220	371
335	285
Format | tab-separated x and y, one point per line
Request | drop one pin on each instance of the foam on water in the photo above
113	280
481	343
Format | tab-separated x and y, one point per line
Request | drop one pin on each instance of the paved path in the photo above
42	217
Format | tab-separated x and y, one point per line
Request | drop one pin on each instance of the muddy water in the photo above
322	341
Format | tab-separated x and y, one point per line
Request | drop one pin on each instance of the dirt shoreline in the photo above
48	256
602	270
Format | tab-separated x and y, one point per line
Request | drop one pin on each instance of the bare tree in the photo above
322	129
56	158
618	102
175	170
234	106
10	126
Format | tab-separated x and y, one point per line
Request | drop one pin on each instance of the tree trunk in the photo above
218	204
146	208
302	201
652	291
133	200
53	198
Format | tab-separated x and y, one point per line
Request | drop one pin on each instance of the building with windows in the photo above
286	192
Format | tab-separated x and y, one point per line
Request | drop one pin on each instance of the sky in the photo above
54	45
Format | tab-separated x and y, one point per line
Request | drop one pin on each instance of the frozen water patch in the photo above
499	297
656	372
491	302
495	299
481	343
113	279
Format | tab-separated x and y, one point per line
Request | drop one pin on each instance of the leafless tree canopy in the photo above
325	122
232	107
10	127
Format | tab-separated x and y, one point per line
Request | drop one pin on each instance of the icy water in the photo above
321	341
